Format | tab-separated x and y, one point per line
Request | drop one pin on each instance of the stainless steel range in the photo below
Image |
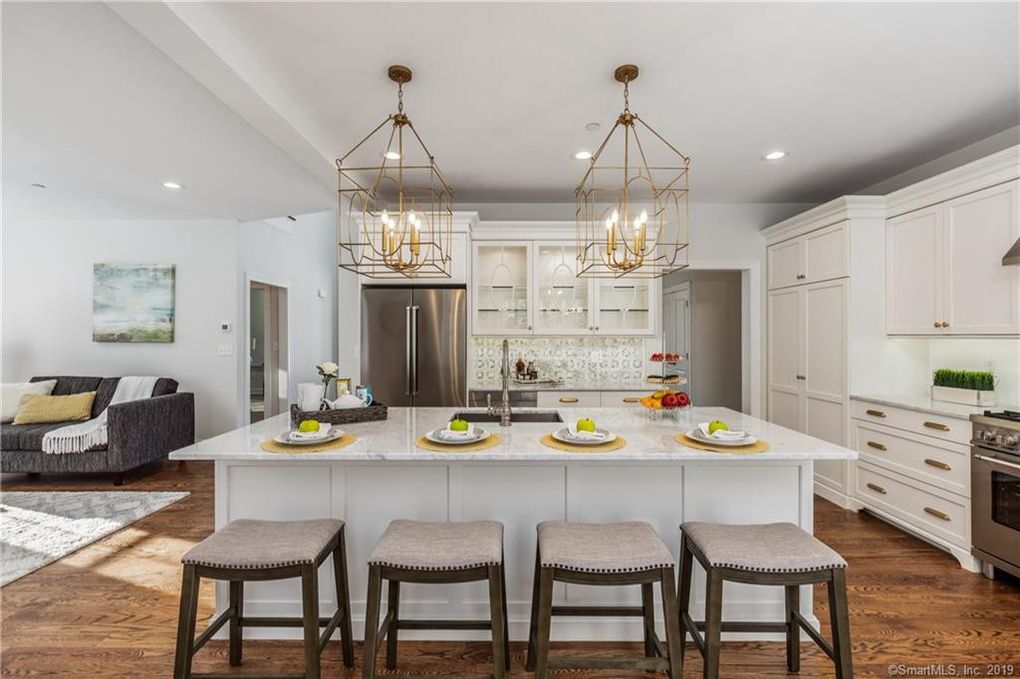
995	491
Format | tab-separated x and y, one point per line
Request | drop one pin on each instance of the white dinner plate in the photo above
696	435
436	436
564	436
285	439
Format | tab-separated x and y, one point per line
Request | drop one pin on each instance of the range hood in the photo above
1013	255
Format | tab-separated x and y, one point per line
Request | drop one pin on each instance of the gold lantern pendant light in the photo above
633	217
396	216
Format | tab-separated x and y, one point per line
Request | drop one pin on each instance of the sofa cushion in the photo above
9	435
104	393
104	388
164	386
71	384
30	436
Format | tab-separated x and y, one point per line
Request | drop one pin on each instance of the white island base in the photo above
384	477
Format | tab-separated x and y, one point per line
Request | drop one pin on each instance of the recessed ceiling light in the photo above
169	184
391	155
593	127
774	155
37	186
583	155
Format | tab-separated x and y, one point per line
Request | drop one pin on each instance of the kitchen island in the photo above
521	482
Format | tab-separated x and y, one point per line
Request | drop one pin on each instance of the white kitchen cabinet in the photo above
785	333
625	306
563	301
944	271
818	255
501	288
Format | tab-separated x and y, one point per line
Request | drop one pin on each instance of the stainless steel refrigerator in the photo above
414	345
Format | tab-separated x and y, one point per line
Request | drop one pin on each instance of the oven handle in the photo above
992	460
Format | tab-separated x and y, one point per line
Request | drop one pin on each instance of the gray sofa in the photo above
138	431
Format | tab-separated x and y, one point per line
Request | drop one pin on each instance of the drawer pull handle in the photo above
937	425
568	399
936	463
937	514
632	399
801	277
875	413
876	445
877	488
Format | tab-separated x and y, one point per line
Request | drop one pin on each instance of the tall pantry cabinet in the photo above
811	286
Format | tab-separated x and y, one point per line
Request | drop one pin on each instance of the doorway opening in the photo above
267	351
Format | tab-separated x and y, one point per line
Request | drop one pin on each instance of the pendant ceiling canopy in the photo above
396	215
633	217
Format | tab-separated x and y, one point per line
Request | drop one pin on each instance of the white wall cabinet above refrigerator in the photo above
530	287
821	255
944	266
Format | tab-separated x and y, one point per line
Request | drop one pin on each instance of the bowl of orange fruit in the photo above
667	400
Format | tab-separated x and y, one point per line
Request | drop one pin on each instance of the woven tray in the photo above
376	411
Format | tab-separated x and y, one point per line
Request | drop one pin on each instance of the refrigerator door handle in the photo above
414	349
408	333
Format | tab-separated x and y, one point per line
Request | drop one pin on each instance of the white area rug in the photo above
39	528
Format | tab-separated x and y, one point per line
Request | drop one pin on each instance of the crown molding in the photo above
826	214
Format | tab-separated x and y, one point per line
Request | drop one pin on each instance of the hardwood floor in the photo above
110	610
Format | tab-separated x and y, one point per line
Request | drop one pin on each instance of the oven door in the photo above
995	504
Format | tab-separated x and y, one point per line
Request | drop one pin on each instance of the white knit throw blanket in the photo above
77	438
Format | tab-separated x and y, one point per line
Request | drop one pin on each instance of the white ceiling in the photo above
855	92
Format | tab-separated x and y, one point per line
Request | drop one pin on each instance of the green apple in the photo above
717	425
459	425
585	424
308	426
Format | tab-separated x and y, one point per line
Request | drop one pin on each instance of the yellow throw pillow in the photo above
35	409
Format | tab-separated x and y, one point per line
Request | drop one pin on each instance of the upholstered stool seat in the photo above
249	550
418	545
767	554
605	554
602	547
442	553
765	548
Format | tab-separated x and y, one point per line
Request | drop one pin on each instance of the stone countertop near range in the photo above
647	441
575	385
923	403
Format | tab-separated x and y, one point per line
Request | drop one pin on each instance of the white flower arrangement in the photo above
328	371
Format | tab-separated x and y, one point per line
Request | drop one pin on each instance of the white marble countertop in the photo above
923	403
574	385
651	441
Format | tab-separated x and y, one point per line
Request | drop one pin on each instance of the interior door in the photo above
441	323
385	315
785	333
676	327
913	282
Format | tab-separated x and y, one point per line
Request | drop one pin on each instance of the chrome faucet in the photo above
504	411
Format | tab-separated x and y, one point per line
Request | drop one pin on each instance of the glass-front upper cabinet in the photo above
501	288
562	300
625	306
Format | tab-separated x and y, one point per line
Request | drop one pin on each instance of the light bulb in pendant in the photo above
615	217
644	217
385	216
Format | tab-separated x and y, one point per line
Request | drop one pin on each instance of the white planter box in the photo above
971	397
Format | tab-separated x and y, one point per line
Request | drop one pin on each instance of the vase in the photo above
310	395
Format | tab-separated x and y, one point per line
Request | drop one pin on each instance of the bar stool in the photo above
443	553
765	554
247	550
606	554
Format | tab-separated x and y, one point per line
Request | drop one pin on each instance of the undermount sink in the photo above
531	416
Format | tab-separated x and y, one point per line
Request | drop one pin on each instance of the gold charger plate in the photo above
758	447
491	441
271	446
615	444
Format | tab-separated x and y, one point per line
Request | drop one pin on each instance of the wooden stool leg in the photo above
545	595
506	618
792	628
372	620
310	616
533	622
393	611
236	613
186	623
499	649
839	615
648	606
686	567
343	600
671	615
713	624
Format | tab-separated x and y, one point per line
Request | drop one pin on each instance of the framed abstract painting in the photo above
133	302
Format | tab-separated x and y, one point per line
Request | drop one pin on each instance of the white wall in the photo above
301	256
47	304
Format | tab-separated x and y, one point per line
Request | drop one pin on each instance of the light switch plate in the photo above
225	350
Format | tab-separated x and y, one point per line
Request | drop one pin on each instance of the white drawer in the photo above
615	399
568	399
946	465
888	492
947	428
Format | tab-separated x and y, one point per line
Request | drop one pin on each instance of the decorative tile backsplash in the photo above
601	359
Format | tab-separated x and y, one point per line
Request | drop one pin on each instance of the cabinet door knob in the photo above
937	514
876	446
529	327
568	399
801	277
877	488
875	413
937	324
945	324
